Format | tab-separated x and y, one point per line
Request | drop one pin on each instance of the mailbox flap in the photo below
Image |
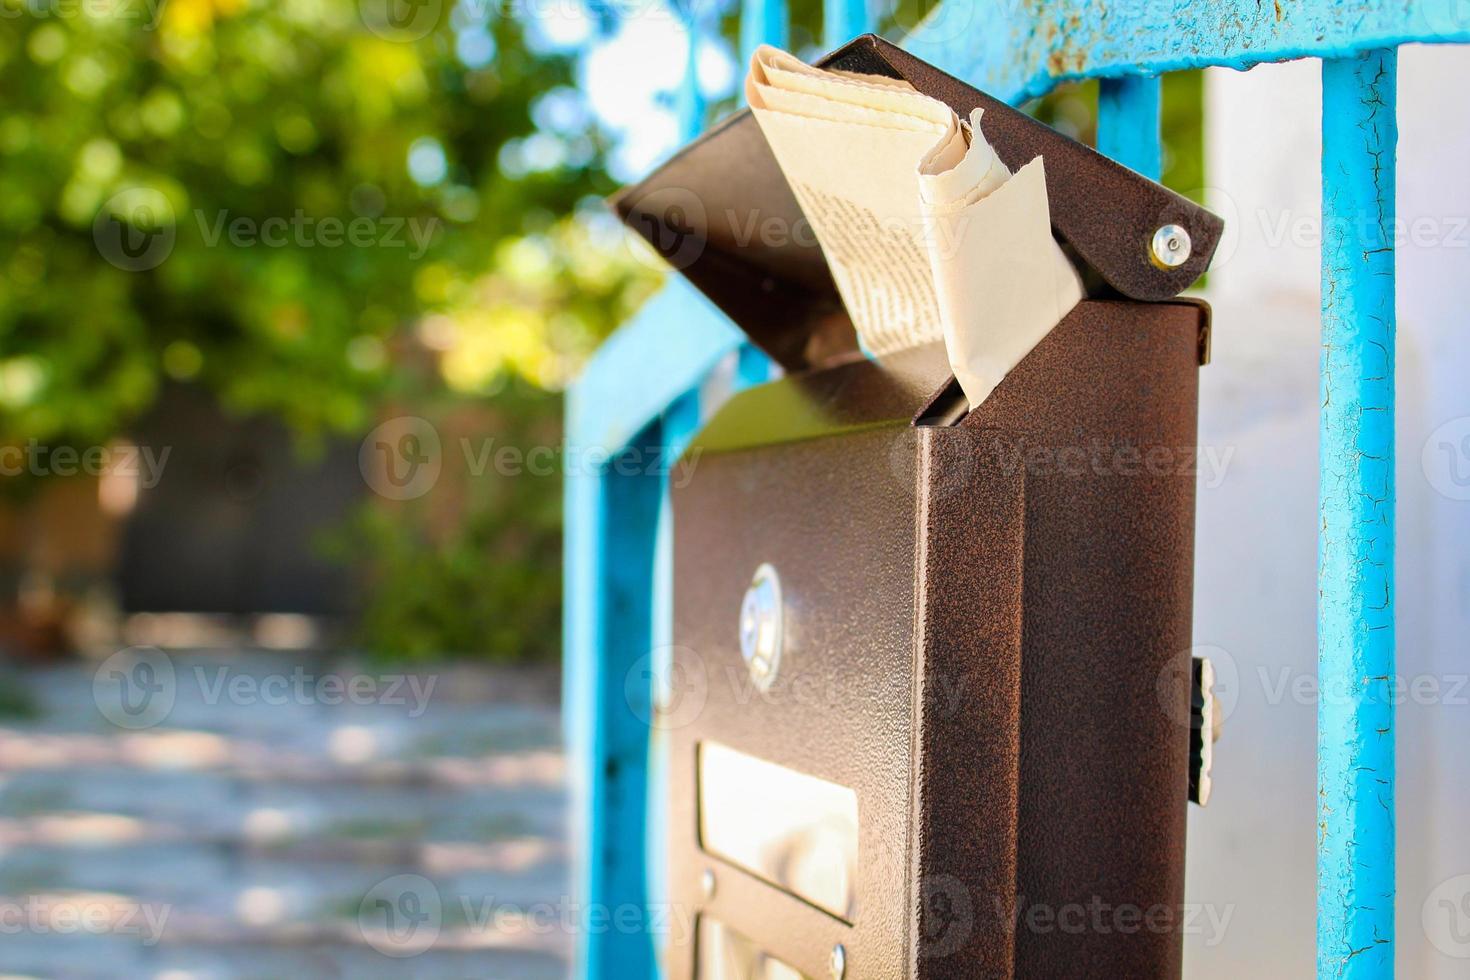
722	213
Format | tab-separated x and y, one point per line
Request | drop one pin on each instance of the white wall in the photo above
1252	850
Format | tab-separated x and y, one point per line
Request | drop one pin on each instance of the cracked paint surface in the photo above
1017	49
1355	631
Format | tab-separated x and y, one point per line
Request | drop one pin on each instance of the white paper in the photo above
927	233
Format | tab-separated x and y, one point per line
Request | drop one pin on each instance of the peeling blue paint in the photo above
1019	49
1355	617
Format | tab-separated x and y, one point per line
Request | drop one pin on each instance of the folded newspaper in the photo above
928	235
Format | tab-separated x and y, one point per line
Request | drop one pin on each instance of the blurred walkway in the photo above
274	825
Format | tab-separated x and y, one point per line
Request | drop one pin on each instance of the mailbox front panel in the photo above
840	708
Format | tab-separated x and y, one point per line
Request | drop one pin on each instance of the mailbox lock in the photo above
1205	719
760	627
1171	247
838	963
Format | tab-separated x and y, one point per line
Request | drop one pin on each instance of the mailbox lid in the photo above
721	213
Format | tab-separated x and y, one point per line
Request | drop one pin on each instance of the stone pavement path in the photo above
272	824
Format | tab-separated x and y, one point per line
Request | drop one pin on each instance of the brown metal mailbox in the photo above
940	732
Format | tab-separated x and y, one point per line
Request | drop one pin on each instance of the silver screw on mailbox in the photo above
707	884
1171	247
761	628
839	962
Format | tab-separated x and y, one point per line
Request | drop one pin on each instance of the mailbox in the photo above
942	650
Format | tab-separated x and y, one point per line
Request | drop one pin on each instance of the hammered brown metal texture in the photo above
1108	600
979	633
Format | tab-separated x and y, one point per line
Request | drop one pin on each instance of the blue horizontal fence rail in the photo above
642	393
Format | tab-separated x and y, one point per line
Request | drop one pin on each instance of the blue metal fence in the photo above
645	394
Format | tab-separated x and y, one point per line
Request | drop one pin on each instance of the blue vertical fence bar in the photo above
1355	624
612	566
691	96
679	424
762	22
843	20
1128	122
607	701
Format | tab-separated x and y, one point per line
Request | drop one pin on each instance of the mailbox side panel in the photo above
1107	403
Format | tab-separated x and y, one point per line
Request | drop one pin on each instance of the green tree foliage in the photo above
351	220
246	131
